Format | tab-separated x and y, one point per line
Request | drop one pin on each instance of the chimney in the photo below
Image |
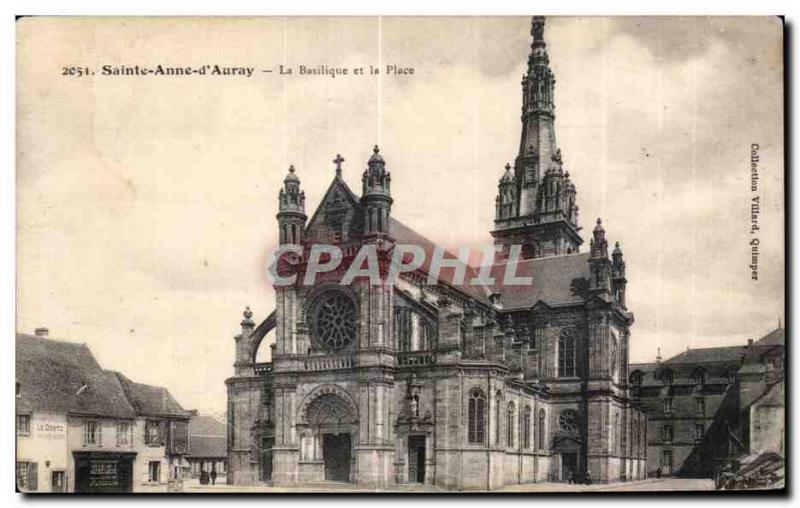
658	356
41	332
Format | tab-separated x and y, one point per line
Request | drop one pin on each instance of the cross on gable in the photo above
338	161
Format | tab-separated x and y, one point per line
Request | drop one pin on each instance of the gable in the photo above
338	217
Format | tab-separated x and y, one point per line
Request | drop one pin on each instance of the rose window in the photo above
568	421
334	321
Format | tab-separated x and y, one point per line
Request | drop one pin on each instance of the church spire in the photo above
538	140
544	217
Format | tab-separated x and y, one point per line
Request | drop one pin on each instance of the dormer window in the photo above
699	376
667	377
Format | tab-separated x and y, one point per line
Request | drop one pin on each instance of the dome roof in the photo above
599	227
508	176
291	177
376	156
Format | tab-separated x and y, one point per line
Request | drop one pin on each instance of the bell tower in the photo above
291	210
376	196
544	215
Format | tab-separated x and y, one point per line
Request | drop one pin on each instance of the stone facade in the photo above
413	380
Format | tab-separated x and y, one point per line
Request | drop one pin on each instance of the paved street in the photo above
664	484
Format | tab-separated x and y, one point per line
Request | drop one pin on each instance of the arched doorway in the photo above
328	434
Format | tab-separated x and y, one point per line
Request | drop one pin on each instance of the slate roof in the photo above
208	447
405	235
64	377
150	400
207	437
648	373
204	425
557	280
708	355
772	396
776	337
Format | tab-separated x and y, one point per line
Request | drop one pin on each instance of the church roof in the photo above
64	377
557	280
405	235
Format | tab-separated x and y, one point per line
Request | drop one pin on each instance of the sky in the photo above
146	205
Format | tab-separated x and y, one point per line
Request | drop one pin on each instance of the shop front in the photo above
103	472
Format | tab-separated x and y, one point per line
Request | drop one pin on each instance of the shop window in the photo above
27	476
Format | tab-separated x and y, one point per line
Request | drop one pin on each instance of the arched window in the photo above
510	424
498	416
636	378
476	417
526	427
566	353
542	418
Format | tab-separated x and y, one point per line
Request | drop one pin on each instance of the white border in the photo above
788	8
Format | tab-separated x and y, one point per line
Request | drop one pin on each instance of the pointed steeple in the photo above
538	139
545	213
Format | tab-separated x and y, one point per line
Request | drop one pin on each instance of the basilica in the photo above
462	386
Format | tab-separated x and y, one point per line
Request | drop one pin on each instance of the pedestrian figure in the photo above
213	477
658	472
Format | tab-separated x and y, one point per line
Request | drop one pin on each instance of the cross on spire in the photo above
338	161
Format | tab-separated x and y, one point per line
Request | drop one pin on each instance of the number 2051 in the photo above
75	71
